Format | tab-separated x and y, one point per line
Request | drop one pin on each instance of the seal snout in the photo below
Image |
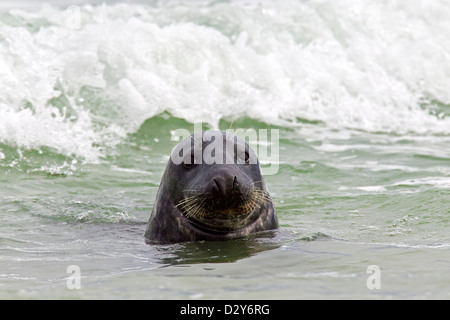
224	186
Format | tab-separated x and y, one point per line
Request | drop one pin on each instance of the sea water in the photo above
92	92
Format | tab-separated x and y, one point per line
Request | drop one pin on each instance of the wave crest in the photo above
371	67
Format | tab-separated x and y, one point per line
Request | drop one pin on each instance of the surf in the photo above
81	89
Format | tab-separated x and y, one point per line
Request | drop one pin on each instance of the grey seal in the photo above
212	189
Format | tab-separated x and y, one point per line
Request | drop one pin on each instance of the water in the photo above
359	91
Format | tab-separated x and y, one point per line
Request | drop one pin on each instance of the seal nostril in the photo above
216	188
235	183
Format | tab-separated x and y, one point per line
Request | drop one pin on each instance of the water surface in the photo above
358	92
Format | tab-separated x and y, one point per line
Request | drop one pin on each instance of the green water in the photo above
90	97
344	203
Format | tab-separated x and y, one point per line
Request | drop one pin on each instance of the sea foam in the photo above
81	78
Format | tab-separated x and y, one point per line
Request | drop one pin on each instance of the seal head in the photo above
212	189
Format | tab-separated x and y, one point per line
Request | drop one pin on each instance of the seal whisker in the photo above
192	209
183	202
192	206
186	201
188	210
261	196
202	212
255	203
197	209
188	204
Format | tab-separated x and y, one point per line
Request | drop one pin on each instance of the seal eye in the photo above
191	162
244	157
247	157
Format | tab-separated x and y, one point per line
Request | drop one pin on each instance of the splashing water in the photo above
78	86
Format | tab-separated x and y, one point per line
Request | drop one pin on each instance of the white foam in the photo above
372	188
438	182
348	64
